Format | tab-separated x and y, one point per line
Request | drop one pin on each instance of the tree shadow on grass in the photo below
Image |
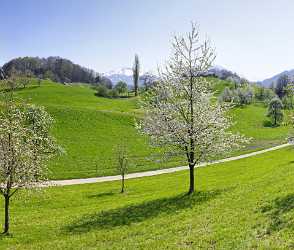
276	212
269	124
137	213
101	195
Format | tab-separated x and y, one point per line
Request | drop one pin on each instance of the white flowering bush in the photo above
240	96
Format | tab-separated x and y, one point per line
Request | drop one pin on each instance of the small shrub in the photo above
121	87
239	96
102	91
113	93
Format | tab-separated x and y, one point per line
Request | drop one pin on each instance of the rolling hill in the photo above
89	128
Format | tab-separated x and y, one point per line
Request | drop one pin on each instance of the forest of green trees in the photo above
54	68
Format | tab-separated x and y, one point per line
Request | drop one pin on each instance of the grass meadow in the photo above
89	128
244	204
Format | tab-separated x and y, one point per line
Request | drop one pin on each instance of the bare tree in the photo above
179	112
122	163
136	74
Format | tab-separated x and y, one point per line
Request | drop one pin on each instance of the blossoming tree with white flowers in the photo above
180	113
25	146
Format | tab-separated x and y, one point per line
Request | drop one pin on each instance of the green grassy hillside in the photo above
251	121
89	128
245	204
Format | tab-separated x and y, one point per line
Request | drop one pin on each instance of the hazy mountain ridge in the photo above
125	74
273	80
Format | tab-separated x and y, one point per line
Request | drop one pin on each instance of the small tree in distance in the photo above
136	74
179	112
122	163
275	111
121	87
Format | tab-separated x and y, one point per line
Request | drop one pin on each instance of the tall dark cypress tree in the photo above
136	73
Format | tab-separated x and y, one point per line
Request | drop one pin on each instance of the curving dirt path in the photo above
156	172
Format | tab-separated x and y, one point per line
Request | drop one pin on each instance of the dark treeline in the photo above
2	74
55	68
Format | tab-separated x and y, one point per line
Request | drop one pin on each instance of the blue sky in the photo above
253	38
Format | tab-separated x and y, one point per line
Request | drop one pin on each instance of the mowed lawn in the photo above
89	128
244	204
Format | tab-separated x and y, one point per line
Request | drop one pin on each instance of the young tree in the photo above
275	111
136	74
179	111
25	146
121	87
122	164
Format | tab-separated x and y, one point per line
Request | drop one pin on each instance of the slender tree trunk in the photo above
192	184
136	89
6	214
122	183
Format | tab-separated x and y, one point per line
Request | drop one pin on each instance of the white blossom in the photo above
180	112
25	147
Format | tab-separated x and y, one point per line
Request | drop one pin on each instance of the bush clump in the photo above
238	96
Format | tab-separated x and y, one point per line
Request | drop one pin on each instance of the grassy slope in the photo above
252	121
89	128
245	204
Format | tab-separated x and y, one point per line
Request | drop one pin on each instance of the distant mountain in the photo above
123	74
267	82
126	75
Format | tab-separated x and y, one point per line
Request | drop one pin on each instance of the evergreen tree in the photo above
136	74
